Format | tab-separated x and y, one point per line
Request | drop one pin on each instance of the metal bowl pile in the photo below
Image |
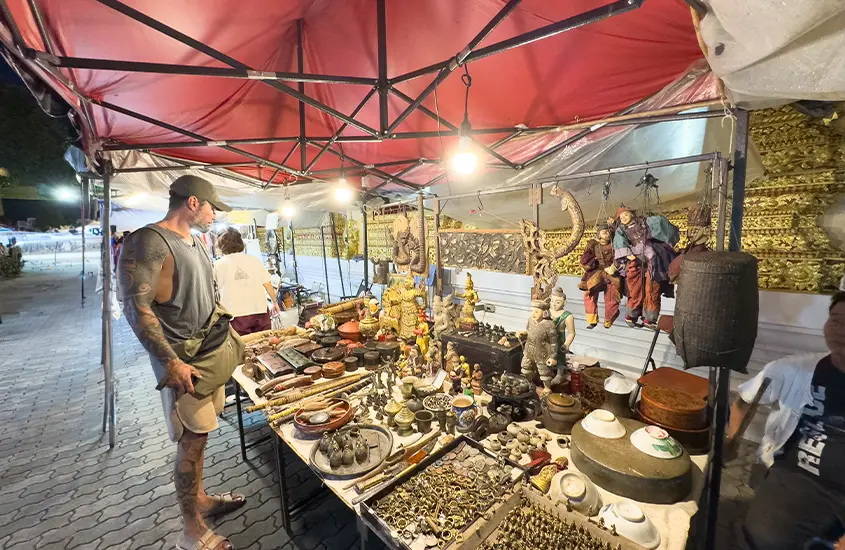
507	385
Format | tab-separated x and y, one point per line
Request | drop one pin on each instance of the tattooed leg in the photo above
187	476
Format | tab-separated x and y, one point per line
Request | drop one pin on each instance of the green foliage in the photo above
10	266
32	144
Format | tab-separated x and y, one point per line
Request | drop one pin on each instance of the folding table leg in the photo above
240	419
363	532
283	484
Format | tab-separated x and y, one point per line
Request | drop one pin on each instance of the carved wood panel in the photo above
501	251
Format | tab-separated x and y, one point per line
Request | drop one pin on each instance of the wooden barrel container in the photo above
716	310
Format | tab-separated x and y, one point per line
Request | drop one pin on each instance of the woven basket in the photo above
716	310
594	378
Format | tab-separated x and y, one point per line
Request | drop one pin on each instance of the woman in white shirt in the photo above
242	281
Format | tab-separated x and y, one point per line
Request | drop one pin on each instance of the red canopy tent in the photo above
292	91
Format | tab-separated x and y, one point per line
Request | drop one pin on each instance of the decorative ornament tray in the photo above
380	441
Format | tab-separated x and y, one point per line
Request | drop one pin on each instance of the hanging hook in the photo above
605	193
480	204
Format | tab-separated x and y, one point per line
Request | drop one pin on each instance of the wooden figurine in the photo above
422	333
470	296
564	328
541	345
477	375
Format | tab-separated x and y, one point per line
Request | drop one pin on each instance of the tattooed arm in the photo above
138	271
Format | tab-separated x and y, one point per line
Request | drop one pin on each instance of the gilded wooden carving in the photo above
502	251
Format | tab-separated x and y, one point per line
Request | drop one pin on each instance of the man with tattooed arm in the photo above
166	279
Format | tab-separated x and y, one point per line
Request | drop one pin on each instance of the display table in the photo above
672	520
491	356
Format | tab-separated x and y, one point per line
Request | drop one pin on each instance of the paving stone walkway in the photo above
61	485
63	488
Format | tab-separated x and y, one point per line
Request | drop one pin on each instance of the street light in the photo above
66	194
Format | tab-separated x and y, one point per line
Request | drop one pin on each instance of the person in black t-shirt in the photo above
803	495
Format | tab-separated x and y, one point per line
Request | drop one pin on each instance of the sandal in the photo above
224	503
209	541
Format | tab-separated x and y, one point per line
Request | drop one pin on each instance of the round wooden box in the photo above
674	408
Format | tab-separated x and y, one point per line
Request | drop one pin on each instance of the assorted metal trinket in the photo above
529	526
441	501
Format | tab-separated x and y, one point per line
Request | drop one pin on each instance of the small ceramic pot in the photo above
516	456
464	408
504	437
351	363
372	361
495	445
513	429
512	444
424	419
534	441
523	436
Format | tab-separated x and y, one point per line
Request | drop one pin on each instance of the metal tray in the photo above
376	435
385	532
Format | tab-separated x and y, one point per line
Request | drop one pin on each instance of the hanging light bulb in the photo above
465	160
342	191
287	209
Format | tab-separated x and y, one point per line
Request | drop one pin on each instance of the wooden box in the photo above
492	357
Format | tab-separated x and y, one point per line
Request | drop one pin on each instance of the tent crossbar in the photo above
42	28
368	168
221	172
65	62
616	8
548	182
183	167
431	114
397	175
232	62
456	62
300	67
339	131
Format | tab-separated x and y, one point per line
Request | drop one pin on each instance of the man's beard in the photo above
200	225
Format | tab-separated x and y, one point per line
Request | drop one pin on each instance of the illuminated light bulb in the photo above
66	193
464	162
288	210
342	192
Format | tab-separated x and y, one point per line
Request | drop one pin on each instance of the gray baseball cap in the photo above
193	186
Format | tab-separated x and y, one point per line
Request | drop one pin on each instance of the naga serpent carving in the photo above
543	260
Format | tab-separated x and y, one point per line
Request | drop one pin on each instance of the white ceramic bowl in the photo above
656	442
604	424
582	494
631	523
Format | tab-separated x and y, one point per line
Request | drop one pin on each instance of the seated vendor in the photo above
803	494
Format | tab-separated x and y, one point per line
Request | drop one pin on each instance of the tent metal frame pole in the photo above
720	170
366	247
184	167
740	164
398	174
293	252
223	173
337	255
191	144
431	114
108	366
609	10
382	84
337	135
456	62
300	67
83	224
325	264
375	171
42	28
438	268
220	56
547	182
84	63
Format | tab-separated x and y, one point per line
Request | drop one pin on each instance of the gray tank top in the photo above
194	292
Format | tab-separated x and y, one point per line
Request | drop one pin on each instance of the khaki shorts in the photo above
189	413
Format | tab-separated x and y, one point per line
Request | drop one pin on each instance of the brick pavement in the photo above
61	485
63	488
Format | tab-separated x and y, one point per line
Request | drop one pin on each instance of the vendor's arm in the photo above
570	332
742	406
138	272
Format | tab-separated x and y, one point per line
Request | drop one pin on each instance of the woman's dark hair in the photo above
230	241
836	298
